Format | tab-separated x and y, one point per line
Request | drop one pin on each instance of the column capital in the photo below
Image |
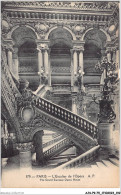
81	48
78	43
78	48
109	46
43	43
8	44
42	47
108	49
23	147
15	52
9	47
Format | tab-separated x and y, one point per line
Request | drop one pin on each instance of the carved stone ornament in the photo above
106	112
5	26
79	28
23	147
40	27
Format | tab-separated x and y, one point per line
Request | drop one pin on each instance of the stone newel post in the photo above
38	147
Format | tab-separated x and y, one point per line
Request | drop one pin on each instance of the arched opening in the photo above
28	63
94	49
24	39
60	56
60	62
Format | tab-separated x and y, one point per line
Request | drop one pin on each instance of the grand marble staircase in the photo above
81	131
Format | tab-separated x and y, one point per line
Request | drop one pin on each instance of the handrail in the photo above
84	158
65	115
52	141
56	147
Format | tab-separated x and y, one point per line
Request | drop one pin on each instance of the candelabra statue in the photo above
109	69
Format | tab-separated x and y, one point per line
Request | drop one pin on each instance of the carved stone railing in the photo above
52	141
59	147
67	116
61	87
61	69
55	135
81	160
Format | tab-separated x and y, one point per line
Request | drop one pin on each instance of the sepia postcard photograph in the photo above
60	94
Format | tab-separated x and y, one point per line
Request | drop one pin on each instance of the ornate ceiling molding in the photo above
98	6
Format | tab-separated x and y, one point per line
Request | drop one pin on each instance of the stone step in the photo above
100	165
95	167
114	161
108	163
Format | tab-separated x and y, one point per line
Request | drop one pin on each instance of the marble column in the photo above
10	58
39	148
40	60
49	69
103	76
72	69
117	56
108	51
114	55
81	64
46	61
74	104
25	154
15	62
75	61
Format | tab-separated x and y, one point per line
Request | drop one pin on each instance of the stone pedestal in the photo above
105	135
25	159
25	154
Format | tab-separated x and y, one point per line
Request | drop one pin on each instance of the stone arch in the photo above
83	147
56	130
94	49
25	45
41	129
55	27
22	32
106	34
9	35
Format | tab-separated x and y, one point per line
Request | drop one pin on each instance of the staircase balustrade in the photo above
83	159
52	141
63	114
51	151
